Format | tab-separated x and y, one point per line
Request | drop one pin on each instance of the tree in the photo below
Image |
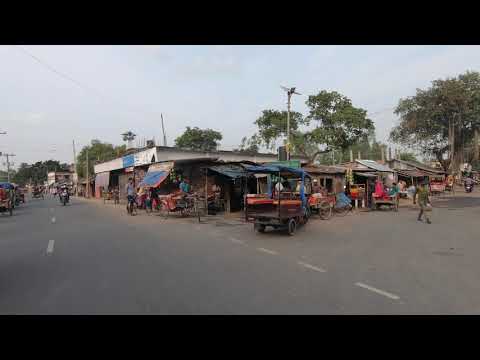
408	156
97	152
272	125
333	123
447	112
37	172
249	145
199	139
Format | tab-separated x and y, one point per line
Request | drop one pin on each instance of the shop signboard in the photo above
164	166
288	163
145	157
128	161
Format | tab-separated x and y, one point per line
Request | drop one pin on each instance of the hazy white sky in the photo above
220	87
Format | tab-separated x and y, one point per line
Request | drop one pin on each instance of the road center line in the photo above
51	243
308	266
54	220
237	241
271	252
378	291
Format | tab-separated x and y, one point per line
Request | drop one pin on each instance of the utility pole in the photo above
8	165
290	92
87	192
75	166
163	130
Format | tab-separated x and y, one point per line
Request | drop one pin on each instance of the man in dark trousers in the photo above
423	202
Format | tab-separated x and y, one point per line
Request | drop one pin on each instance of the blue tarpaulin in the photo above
154	178
274	169
6	185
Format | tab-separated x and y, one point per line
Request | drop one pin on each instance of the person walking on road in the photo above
423	202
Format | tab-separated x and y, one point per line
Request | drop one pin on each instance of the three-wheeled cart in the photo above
385	200
6	198
282	207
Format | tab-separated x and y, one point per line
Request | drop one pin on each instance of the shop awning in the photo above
231	171
411	173
154	178
370	175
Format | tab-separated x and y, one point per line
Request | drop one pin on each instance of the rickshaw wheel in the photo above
292	226
325	211
259	227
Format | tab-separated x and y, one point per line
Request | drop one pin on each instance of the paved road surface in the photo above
87	258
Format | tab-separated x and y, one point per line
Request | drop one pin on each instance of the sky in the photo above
79	93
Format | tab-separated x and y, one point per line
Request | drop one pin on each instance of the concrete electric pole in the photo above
87	192
8	165
290	92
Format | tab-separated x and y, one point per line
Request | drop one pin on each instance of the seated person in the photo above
184	186
342	200
394	190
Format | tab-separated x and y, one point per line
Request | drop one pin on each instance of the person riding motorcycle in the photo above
64	190
469	183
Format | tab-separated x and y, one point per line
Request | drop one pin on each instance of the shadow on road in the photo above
458	202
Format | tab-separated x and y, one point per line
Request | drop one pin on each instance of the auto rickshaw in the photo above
6	198
282	207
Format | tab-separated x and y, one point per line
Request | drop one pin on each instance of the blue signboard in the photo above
128	161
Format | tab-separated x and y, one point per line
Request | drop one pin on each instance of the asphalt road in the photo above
90	258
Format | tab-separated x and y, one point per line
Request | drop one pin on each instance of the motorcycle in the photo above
468	188
64	198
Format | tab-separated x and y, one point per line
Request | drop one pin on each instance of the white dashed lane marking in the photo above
51	243
271	252
378	291
236	241
54	219
311	267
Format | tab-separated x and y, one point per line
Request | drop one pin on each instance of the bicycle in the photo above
131	206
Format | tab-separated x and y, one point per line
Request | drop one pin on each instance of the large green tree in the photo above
97	152
272	125
332	123
445	113
199	139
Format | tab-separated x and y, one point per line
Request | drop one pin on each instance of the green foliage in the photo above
425	117
408	156
37	172
332	123
249	145
338	124
97	152
199	139
272	124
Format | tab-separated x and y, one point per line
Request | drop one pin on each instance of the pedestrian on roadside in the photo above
423	202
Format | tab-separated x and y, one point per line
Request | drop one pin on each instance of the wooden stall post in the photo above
227	197
206	191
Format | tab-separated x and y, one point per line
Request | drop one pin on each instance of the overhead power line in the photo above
84	86
59	73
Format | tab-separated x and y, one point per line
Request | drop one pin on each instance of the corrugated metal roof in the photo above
412	173
374	165
425	167
324	169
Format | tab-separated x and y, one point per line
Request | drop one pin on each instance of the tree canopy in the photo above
37	173
332	123
97	152
199	139
447	111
